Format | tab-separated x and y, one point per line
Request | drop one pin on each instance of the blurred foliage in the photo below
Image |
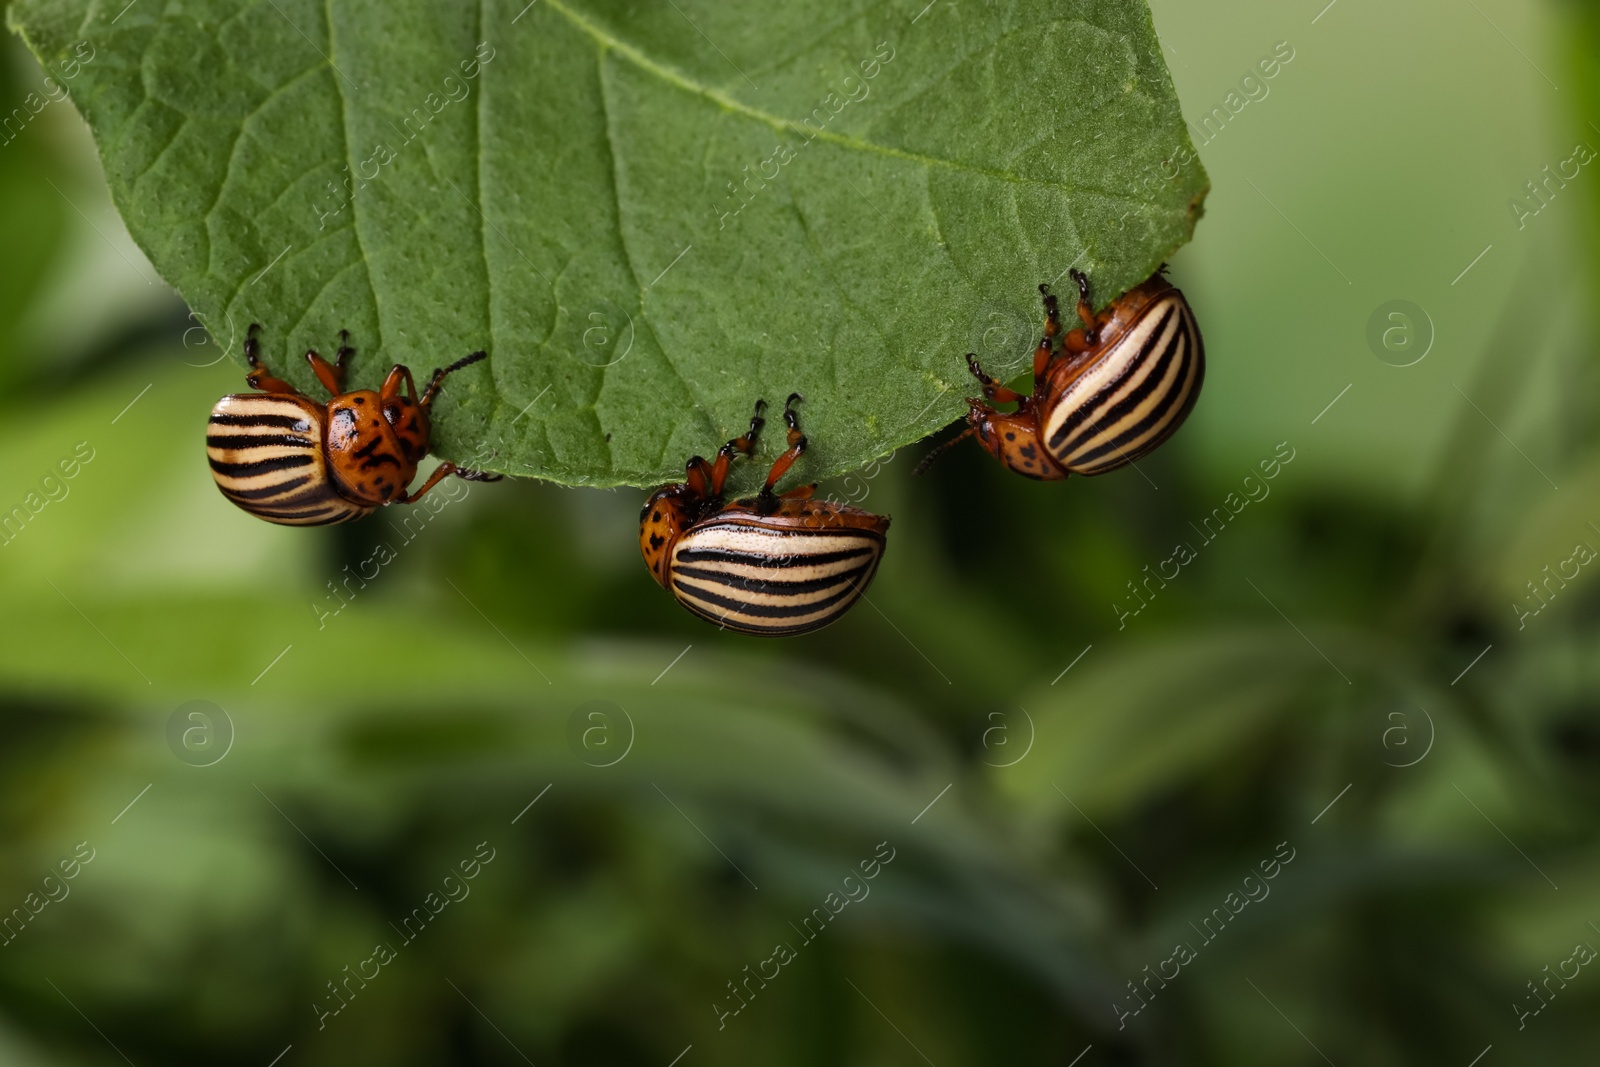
1343	674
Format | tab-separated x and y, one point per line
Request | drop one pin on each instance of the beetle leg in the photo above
991	388
440	375
340	357
799	492
1041	362
1052	313
698	477
443	471
331	375
398	376
796	449
1091	332
745	444
1052	329
259	377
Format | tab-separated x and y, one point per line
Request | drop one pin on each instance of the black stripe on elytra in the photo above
1085	409
302	513
1168	403
778	559
331	520
287	422
768	586
279	489
264	466
766	631
762	611
258	441
727	622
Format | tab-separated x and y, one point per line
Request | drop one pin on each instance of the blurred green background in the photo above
1368	668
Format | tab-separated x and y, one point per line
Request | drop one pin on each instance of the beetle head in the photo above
668	512
1013	439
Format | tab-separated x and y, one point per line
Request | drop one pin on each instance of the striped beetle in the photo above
771	565
287	459
1116	388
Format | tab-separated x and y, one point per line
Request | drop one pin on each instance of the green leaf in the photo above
649	215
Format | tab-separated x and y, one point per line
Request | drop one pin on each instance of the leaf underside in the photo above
649	214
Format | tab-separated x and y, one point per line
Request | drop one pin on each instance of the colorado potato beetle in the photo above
1115	389
287	459
770	565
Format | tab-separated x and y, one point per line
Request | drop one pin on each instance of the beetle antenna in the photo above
931	457
439	375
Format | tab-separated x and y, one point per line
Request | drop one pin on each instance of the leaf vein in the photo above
483	217
738	107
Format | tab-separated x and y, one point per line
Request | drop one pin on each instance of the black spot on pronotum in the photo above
656	540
